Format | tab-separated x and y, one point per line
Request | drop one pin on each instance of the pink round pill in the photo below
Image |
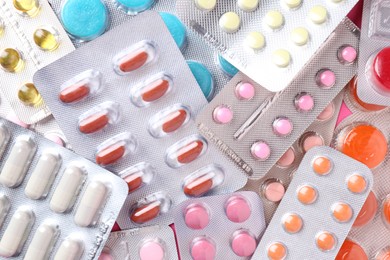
304	102
261	150
55	138
243	244
14	119
196	217
282	126
222	114
287	158
245	91
273	190
151	250
310	140
327	112
326	78
105	256
237	209
203	249
347	54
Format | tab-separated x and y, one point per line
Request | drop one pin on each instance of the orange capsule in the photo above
115	148
155	90
307	194
134	182
74	93
175	121
277	251
185	151
134	61
203	180
292	223
93	123
190	152
146	212
342	212
138	175
386	210
325	241
322	165
198	187
169	120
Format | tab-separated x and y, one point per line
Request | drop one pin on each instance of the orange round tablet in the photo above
277	251
322	165
364	143
351	251
307	194
292	223
386	210
365	106
368	211
342	212
325	241
356	183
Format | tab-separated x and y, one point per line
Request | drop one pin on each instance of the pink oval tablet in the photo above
327	112
304	102
282	126
14	119
222	114
203	249
260	150
347	54
326	78
151	251
311	140
237	209
55	138
245	91
105	256
196	217
243	244
287	158
273	190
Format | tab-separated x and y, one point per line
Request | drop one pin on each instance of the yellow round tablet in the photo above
206	5
292	3
281	58
274	19
300	36
318	14
255	40
229	22
248	5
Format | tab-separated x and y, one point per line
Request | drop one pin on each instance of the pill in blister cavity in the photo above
281	58
347	54
255	41
203	77
304	102
292	223
318	14
273	190
367	212
248	5
43	241
226	66
282	126
46	38
71	248
292	4
386	211
27	7
243	243
11	60
342	212
309	140
245	91
356	183
138	175
196	216
16	233
150	207
307	194
325	241
206	5
222	114
322	165
185	151
237	209
115	148
203	248
326	78
151	90
274	19
29	95
300	36
67	189
260	150
176	28
4	207
287	158
360	103
152	250
203	180
18	162
378	73
230	22
98	117
91	204
350	250
276	251
135	57
327	113
43	175
4	138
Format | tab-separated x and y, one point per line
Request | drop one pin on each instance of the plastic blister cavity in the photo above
203	180
138	175
134	7
185	151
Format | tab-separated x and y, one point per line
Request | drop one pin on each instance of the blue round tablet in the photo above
226	66
84	20
203	77
176	28
134	6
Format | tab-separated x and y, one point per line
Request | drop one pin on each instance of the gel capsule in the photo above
203	180
150	207
185	151
378	73
4	138
29	95
87	83
46	38
27	7
138	175
16	233
11	60
42	242
4	207
71	248
135	57
18	162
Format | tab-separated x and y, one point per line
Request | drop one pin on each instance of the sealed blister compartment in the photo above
150	207
203	180
138	175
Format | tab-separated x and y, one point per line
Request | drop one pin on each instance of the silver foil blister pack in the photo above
320	206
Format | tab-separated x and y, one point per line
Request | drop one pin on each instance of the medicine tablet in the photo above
325	241
356	183
307	194
292	3
281	58
318	14
147	212
152	250
287	158
11	60
134	7
273	190
274	19
230	22
304	102
176	28
276	251
43	241
244	91
255	41
196	216
248	5
46	38
325	78
327	113
185	151
203	248
282	126
237	209
342	212
322	165
260	150
203	77
205	5
70	248
367	212
300	36
226	66
243	243
292	223
29	95
350	250
222	114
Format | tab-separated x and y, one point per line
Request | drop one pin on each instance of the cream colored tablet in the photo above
4	138
300	36
42	242
248	5
292	3
70	249
255	41
229	22
281	58
206	5
4	207
274	19
318	14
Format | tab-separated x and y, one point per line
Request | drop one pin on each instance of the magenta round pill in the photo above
347	54
196	217
203	249
151	250
222	114
245	91
304	102
243	244
282	126
237	209
260	150
326	78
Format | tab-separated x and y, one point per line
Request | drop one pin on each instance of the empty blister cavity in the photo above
203	180
71	248
243	243
203	248
4	207
185	151
29	8
196	216
152	249
11	60
138	175
150	207
134	7
4	138
46	38
42	242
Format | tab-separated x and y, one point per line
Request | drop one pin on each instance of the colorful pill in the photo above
230	22
185	151
27	7
11	60
43	241
304	102
360	103
203	77
318	14
273	190
274	19
134	7
356	183
300	36
4	138
176	28
276	251
292	4
310	140
237	209
248	5
152	250
367	212
150	207
383	254
203	248
379	70
203	180
29	95
292	223
327	113
307	194
325	241
5	205
243	243
46	38
222	114
245	91
386	210
325	78
347	54
342	212
205	5
198	187
137	175
255	41
287	158
226	66
322	165
260	150
281	58
71	248
175	121
93	123
282	126
351	251
196	216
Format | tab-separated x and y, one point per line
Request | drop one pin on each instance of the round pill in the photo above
222	114
304	102
364	143
11	60
325	78
29	95
151	250
255	41
226	66
84	20
310	140
292	3
327	112
356	183
307	194
203	78
292	223
203	249
380	70
318	14
245	91
282	126
237	209
367	212
248	5
276	251
176	28
322	165
281	58
274	19
347	54
351	251
134	6
27	7
360	103
260	150
15	119
273	190
325	241
383	254
46	38
243	244
287	158
206	5
386	210
300	36
229	22
342	212
196	217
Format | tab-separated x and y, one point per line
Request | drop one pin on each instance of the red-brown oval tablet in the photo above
155	90
190	152
93	123
146	213
110	154
74	93
134	182
198	187
134	60
174	121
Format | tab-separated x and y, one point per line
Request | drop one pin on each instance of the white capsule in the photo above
70	249
91	204
4	207
67	189
16	233
18	161
4	138
42	242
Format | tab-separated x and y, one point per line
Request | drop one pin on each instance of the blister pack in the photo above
255	128
31	38
219	227
320	206
53	203
128	109
266	40
147	243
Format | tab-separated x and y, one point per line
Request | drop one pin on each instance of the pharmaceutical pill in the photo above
276	251
46	38
226	66
11	60
281	58
379	75
325	78
198	186
274	19
43	241
248	5
16	233
196	216
287	158
304	102
113	149
152	250
237	209
230	22
91	204
292	223
94	123
18	161
99	117
300	36
43	175
255	41
386	210
282	126
203	180
322	165
133	7
4	138
155	90
260	150
169	120
292	3
205	5
146	212
27	7
203	248
222	114
307	194
176	28
383	254
356	183
325	241
350	250
318	14
347	54
190	152
309	140
360	103
175	121
29	95
367	212
137	175
74	93
70	249
243	243
273	190
67	189
203	77
5	204
342	212
327	113
245	91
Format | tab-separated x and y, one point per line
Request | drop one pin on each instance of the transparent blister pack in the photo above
53	203
31	37
198	225
152	242
255	128
322	202
153	144
266	40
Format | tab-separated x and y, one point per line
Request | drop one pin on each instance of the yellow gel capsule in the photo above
11	60
29	95
229	22
281	58
27	7
46	38
318	14
255	41
300	36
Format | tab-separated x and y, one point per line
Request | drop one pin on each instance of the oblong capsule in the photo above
4	138
18	161
150	207
151	89
185	151
67	189
72	248
87	83
43	175
98	117
5	204
91	204
138	175
203	180
169	120
115	148
43	241
16	233
135	57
